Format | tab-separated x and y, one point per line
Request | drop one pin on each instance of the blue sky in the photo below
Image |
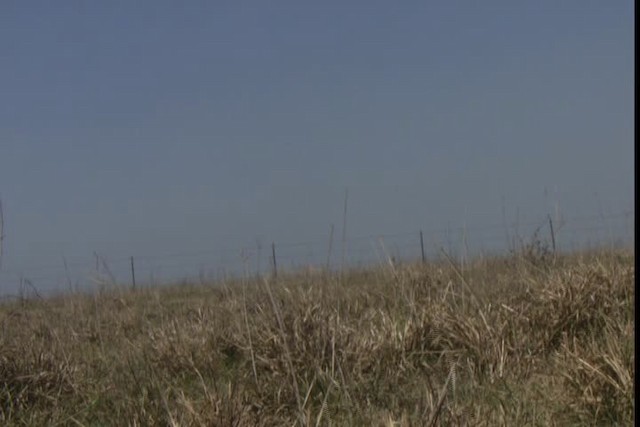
154	127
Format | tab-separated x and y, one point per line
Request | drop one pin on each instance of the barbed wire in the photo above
314	251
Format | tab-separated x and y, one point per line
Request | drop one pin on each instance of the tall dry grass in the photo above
522	340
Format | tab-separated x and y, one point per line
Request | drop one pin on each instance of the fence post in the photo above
424	260
273	255
95	255
259	252
344	231
330	247
553	236
133	274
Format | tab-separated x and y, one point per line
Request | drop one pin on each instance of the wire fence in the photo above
464	242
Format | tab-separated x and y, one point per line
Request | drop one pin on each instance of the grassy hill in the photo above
520	340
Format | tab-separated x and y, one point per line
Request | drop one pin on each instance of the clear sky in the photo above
155	127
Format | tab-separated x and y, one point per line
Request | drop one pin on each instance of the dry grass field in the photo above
512	341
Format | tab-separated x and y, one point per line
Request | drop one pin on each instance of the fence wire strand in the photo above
571	233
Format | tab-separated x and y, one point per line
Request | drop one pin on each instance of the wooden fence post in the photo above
273	255
344	231
133	274
328	266
553	236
